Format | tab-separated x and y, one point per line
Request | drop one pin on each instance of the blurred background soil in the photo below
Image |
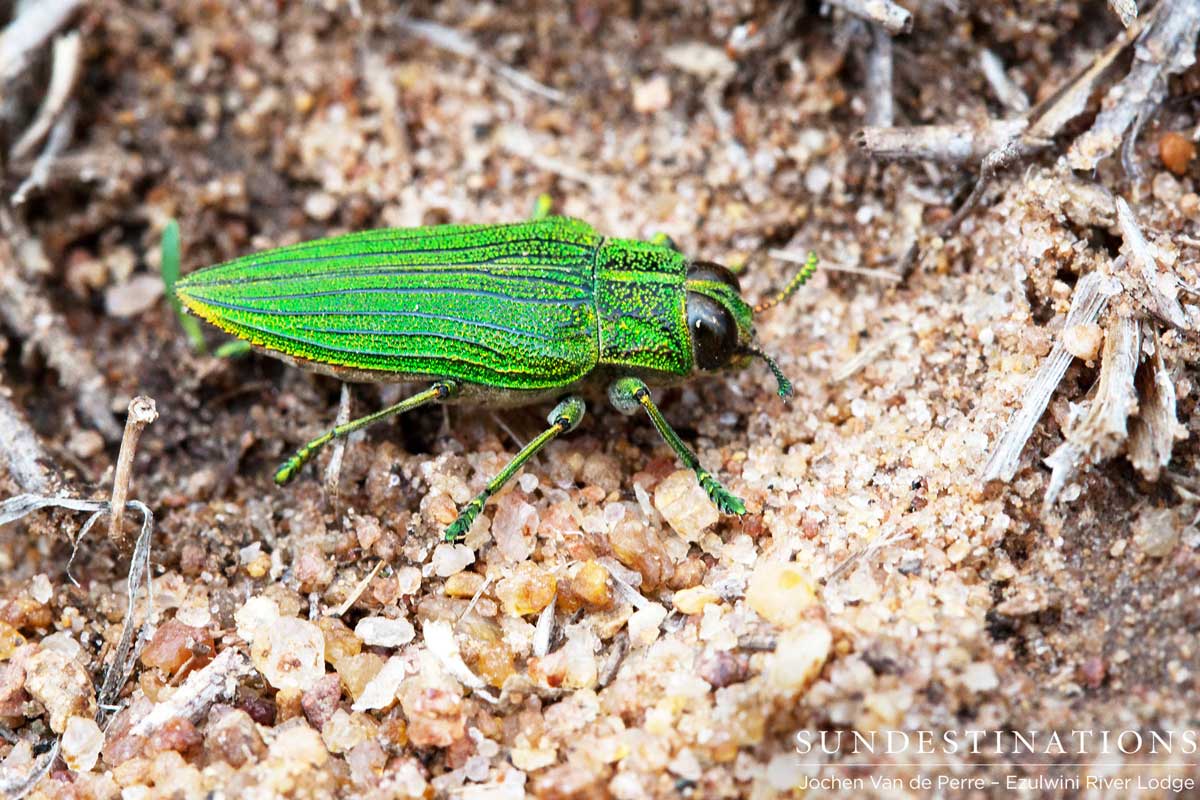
877	583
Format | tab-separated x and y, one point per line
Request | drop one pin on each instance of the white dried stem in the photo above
63	75
1152	432
192	700
1167	47
1161	287
1092	294
21	452
333	472
462	45
944	144
894	18
1006	91
142	412
1102	430
27	312
881	107
543	632
26	35
39	176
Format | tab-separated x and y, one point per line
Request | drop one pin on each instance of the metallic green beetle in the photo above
497	314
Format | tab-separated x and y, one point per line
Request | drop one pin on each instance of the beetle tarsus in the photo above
564	418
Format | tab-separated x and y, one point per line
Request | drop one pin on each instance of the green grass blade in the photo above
170	274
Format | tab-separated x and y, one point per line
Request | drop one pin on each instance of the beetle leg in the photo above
627	395
542	207
664	240
289	469
563	419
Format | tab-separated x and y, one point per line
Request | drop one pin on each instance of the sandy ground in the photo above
876	583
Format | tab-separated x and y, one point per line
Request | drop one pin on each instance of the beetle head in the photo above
721	323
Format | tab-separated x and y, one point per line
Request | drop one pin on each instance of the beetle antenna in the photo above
806	272
785	386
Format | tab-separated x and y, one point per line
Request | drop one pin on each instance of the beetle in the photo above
493	314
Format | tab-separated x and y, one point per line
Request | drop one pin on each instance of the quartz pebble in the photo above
527	591
61	685
81	743
781	592
449	559
290	654
684	505
384	632
799	655
693	600
1156	531
644	624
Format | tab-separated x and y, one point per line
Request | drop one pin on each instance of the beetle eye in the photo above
714	332
709	271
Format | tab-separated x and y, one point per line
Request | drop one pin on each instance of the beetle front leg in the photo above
290	468
564	418
629	394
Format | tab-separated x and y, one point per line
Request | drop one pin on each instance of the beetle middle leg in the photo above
564	418
435	393
629	394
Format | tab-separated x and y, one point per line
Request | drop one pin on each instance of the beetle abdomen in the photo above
510	306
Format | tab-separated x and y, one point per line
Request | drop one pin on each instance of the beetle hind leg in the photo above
290	468
564	418
628	395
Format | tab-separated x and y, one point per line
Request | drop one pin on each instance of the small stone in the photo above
644	624
85	444
231	736
61	685
358	671
1083	341
435	715
527	591
346	731
320	702
175	644
1156	531
800	654
320	206
980	677
586	584
955	552
514	527
463	584
135	296
40	588
299	745
10	640
450	559
380	690
1176	151
257	613
652	95
340	641
290	654
81	743
641	549
384	632
684	505
781	592
1092	672
693	600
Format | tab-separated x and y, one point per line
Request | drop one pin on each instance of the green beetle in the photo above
495	314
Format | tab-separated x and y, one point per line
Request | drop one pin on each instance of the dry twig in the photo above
462	45
21	451
28	314
1092	294
881	111
1153	431
142	412
28	33
1161	288
1101	430
1167	47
